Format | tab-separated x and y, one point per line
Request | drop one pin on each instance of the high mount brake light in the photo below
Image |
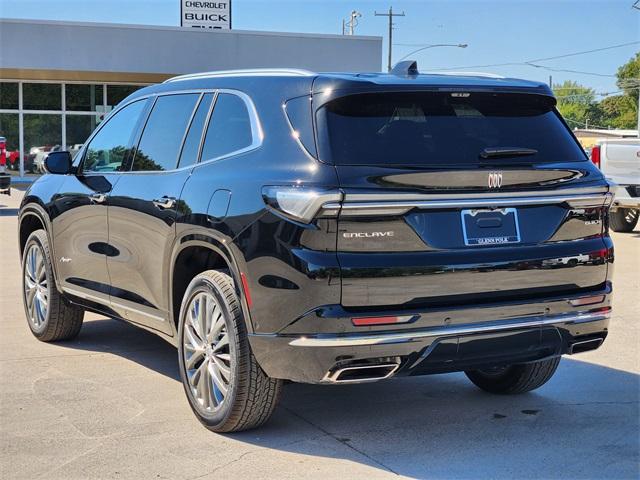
300	203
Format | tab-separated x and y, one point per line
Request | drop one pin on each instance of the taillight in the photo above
595	155
301	203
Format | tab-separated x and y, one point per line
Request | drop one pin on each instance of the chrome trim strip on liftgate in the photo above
375	204
358	340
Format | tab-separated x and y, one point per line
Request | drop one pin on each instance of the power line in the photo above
528	62
569	71
584	52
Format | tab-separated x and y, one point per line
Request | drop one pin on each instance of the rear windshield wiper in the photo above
497	152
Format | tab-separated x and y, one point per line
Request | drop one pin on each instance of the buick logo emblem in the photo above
495	180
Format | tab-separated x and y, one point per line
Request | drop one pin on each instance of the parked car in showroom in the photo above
327	228
619	160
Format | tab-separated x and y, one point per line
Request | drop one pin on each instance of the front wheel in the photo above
225	386
514	378
624	219
49	315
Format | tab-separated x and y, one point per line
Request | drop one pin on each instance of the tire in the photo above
221	358
515	379
624	219
49	315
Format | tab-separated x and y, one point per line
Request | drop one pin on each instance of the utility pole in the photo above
550	82
390	15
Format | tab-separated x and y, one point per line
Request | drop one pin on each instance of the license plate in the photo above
490	227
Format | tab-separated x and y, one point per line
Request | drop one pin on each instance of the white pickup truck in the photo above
619	160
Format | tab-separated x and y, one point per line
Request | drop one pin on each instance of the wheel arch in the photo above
34	217
194	253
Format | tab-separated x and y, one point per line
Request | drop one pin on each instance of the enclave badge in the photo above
495	180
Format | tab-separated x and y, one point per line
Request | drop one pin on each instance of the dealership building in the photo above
59	79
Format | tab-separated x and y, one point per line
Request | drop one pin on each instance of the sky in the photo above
497	32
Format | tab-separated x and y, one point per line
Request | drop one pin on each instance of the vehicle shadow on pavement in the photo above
583	423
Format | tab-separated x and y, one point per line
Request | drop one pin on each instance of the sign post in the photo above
205	14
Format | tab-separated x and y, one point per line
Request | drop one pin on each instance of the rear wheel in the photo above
49	315
225	386
624	219
514	378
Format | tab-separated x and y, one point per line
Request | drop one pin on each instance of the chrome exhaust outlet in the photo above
585	345
361	373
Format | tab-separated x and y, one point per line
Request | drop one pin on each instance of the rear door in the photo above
455	198
143	208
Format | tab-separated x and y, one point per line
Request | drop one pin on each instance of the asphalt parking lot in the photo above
110	405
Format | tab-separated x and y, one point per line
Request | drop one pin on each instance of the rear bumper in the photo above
624	199
317	358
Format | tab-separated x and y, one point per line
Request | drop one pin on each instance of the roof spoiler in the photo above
407	68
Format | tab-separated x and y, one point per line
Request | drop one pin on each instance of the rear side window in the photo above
109	148
229	128
441	128
189	154
162	136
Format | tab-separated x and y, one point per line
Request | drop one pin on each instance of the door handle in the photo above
165	202
97	197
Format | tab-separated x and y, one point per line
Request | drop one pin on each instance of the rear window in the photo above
441	128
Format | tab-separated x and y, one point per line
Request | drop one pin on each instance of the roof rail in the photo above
255	72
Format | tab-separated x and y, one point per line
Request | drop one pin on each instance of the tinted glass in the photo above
117	93
42	96
84	98
438	128
299	114
110	147
189	154
9	95
163	133
229	128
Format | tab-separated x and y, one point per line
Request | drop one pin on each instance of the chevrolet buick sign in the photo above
203	14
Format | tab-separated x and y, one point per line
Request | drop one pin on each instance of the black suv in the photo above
327	228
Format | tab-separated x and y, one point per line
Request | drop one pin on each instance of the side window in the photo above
229	128
162	136
110	147
189	154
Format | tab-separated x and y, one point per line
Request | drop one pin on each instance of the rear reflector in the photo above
365	321
577	302
245	288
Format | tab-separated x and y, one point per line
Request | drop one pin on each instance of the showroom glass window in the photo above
52	116
9	123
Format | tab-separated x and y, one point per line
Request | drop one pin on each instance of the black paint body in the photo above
119	257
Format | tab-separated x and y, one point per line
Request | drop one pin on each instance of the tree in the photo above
629	77
618	111
576	103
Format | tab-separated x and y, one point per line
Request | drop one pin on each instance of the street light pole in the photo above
457	45
390	14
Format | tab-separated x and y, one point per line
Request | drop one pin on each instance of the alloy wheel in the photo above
206	351
36	286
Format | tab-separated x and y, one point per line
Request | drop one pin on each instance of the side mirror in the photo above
58	163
